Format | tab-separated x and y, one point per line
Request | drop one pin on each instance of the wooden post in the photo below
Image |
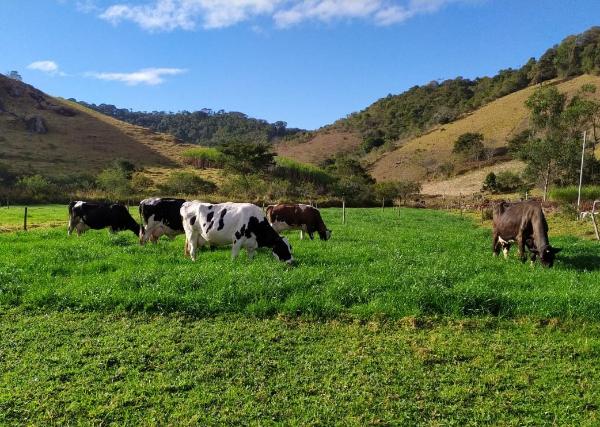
25	220
581	172
382	204
343	211
594	219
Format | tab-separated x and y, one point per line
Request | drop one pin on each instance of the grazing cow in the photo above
160	216
524	223
85	215
297	217
237	224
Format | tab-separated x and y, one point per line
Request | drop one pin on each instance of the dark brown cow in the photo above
525	224
297	217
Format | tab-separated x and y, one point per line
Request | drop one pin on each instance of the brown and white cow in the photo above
525	224
297	217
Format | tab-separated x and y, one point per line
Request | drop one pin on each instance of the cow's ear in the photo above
556	250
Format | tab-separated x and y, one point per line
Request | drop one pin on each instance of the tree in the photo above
545	106
470	145
385	191
247	158
15	75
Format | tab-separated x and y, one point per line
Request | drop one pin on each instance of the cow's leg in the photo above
521	244
235	248
193	242
495	244
505	249
301	234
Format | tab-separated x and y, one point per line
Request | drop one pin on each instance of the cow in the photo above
160	217
525	224
237	224
86	215
297	217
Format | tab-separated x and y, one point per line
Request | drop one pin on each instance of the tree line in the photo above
204	127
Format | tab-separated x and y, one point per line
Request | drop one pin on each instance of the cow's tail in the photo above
268	213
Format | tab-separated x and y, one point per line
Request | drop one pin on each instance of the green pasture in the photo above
380	264
402	318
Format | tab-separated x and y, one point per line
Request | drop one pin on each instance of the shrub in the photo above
470	145
245	187
372	142
187	183
490	183
115	182
204	157
36	187
141	182
508	181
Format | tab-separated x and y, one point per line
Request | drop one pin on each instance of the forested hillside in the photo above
204	127
422	107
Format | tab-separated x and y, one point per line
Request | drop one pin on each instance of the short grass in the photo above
63	368
380	264
398	320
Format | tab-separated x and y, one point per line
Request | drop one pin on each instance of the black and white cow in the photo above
242	225
160	217
85	215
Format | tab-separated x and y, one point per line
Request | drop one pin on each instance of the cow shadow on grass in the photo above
581	262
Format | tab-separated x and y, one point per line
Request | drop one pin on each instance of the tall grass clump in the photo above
569	194
204	157
301	172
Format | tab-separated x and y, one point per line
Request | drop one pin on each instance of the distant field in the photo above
403	318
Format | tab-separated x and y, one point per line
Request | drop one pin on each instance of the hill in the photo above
52	136
204	127
420	158
408	136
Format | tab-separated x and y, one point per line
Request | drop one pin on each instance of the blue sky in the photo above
307	62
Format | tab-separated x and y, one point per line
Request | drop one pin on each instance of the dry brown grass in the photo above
84	143
323	146
469	182
417	158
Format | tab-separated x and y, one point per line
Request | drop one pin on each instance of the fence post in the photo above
594	219
343	211
382	204
25	220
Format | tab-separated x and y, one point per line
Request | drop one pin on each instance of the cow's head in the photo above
325	235
282	250
547	255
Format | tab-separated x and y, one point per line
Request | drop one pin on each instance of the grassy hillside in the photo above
323	145
78	140
419	158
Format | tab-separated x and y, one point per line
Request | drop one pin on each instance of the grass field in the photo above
402	319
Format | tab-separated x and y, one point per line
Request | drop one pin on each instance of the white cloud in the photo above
45	66
147	76
169	15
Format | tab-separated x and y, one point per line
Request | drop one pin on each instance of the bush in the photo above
244	187
490	183
141	183
204	157
372	142
508	182
36	187
115	181
182	183
470	145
